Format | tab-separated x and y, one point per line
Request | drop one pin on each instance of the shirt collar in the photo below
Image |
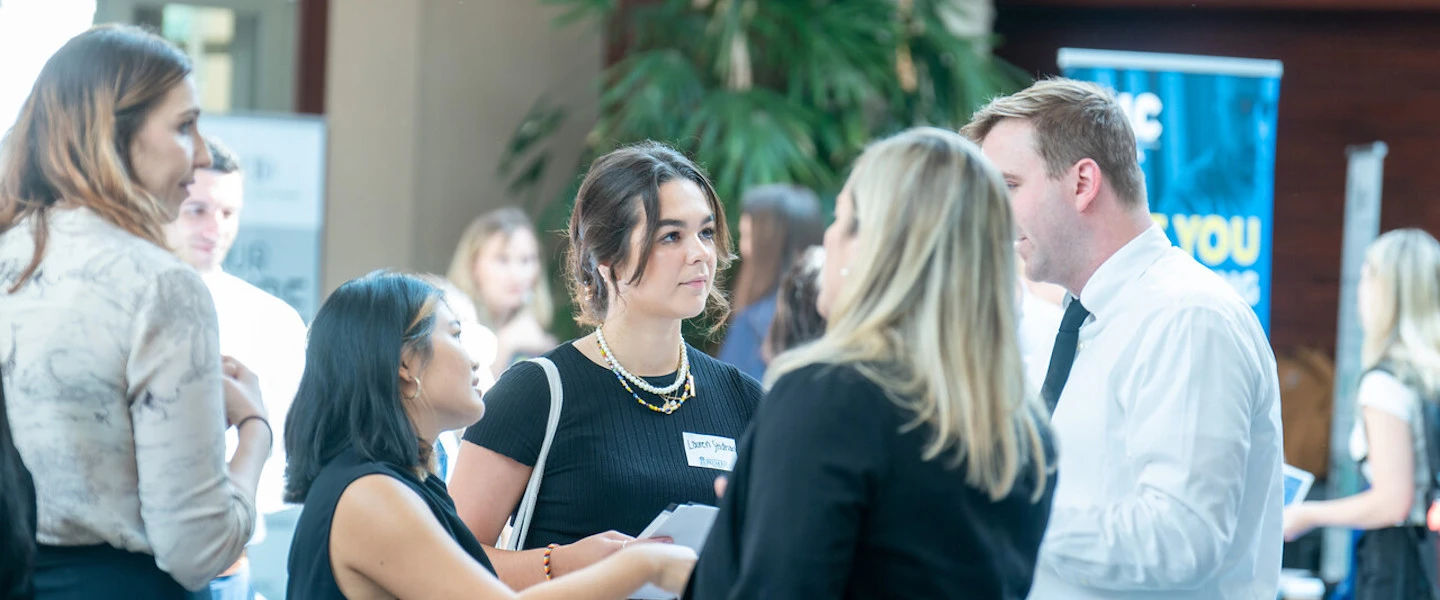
1126	265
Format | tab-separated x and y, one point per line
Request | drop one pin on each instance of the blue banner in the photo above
1205	127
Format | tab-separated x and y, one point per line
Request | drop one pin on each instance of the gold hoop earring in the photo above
417	391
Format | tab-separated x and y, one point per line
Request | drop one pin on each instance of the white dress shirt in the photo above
268	337
1039	322
1169	440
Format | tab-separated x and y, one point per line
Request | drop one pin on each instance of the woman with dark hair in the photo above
385	373
646	420
17	511
118	394
797	318
777	223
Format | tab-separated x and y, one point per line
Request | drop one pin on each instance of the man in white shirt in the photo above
1165	395
1041	308
261	331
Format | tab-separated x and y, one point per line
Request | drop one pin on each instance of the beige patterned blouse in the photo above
111	367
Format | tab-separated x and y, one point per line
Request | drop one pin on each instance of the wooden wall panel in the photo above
310	73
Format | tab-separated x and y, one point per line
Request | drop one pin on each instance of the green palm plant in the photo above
763	91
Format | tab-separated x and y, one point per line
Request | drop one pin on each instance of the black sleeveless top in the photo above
310	574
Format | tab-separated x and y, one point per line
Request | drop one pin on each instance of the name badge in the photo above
710	451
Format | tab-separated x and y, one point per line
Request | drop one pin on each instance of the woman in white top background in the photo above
497	264
108	342
1399	306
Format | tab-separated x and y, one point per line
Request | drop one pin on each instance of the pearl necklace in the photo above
681	376
672	403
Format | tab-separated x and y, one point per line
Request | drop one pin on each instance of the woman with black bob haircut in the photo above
385	373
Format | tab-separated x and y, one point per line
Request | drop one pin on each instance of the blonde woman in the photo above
899	456
1399	305
497	264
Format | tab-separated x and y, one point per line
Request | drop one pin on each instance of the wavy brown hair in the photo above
617	189
71	142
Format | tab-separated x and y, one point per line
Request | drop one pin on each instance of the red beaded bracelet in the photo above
548	550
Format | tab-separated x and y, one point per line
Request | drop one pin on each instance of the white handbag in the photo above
520	523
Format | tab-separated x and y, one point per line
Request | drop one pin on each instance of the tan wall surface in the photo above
372	98
422	99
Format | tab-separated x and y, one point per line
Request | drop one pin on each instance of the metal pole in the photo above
1362	226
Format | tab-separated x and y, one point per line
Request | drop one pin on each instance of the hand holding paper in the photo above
688	525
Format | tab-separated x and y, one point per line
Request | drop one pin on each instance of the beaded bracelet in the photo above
548	550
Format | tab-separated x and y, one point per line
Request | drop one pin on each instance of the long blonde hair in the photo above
71	141
928	309
1404	267
501	221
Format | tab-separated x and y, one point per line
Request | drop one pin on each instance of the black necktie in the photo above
1062	357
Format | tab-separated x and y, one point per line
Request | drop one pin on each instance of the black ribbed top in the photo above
613	464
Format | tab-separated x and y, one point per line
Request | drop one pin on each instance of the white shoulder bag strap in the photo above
526	509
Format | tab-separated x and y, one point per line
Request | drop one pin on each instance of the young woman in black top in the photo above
385	373
647	238
899	456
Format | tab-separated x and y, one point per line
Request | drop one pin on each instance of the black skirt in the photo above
1388	564
86	572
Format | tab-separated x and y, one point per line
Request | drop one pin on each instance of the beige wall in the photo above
372	107
421	99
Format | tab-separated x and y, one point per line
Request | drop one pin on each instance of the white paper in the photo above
655	524
689	525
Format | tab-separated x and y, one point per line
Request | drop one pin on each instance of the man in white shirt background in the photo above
1163	384
261	331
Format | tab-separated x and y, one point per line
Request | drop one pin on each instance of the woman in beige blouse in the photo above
117	393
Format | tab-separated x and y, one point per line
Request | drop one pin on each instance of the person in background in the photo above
497	264
258	329
797	318
1399	307
386	372
648	420
118	395
777	223
898	456
1169	425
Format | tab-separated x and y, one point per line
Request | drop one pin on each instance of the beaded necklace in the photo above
680	375
671	403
